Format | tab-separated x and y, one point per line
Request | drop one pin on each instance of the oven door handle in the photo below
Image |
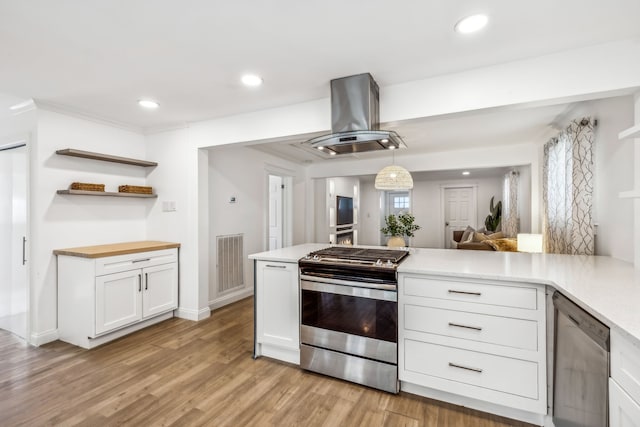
383	286
352	291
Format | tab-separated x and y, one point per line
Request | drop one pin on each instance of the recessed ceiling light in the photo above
333	153
148	103
391	147
471	24
251	80
466	173
384	140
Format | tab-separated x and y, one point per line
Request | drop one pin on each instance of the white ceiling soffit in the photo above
100	57
487	128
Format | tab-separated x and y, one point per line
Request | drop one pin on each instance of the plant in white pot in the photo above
398	227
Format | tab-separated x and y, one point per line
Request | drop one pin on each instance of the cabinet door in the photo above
623	411
160	293
118	300
277	304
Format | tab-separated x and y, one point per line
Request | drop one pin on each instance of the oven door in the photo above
350	319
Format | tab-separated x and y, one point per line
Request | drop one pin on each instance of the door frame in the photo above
384	204
287	204
9	143
474	197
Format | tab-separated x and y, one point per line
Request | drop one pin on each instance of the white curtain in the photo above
568	190
510	222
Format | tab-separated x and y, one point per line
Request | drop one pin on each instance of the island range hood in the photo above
355	119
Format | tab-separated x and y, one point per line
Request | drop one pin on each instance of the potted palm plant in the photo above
397	227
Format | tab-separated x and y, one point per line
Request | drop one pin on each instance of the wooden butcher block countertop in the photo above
113	249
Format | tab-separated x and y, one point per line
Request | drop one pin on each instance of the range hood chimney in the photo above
355	119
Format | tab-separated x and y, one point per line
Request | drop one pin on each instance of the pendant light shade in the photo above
394	177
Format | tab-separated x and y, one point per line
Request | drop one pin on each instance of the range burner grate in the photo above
361	254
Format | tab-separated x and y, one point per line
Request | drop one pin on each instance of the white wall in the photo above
59	221
241	172
524	198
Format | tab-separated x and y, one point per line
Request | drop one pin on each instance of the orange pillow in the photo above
503	245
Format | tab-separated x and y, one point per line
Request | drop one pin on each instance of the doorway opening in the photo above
279	211
393	203
13	239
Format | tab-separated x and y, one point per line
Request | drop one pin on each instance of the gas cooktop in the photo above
361	256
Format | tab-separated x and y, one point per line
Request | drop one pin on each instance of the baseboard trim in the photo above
478	405
194	315
230	298
40	338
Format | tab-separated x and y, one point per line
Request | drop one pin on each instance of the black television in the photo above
345	210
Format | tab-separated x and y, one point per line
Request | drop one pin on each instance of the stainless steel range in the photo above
350	314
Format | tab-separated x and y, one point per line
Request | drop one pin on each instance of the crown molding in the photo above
63	109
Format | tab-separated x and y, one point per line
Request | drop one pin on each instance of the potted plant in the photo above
397	227
492	222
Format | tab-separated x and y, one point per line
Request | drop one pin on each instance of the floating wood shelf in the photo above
632	132
105	194
105	157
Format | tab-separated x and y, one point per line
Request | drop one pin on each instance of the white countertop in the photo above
605	287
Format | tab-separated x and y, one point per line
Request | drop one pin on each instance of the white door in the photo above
460	210
118	300
13	232
275	212
396	202
160	292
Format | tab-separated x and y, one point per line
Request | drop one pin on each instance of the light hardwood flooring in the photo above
186	373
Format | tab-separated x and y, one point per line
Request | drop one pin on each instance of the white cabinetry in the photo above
624	384
482	340
100	299
277	311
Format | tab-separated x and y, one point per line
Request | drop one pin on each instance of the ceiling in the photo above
99	57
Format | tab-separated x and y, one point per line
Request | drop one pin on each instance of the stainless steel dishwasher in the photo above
581	367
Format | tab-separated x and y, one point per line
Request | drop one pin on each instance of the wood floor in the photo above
185	373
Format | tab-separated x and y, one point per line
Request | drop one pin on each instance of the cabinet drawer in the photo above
623	411
480	293
116	264
625	364
503	331
488	371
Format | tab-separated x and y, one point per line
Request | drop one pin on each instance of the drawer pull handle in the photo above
276	266
139	282
453	291
141	260
457	325
453	365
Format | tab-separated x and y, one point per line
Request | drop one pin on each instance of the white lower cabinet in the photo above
277	311
130	296
104	298
624	384
482	340
623	410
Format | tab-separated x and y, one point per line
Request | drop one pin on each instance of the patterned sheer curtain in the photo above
567	190
510	222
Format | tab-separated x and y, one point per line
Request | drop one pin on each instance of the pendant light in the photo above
394	177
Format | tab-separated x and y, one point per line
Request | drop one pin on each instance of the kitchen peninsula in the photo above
517	285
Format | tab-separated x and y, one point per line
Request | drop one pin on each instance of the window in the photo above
401	202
